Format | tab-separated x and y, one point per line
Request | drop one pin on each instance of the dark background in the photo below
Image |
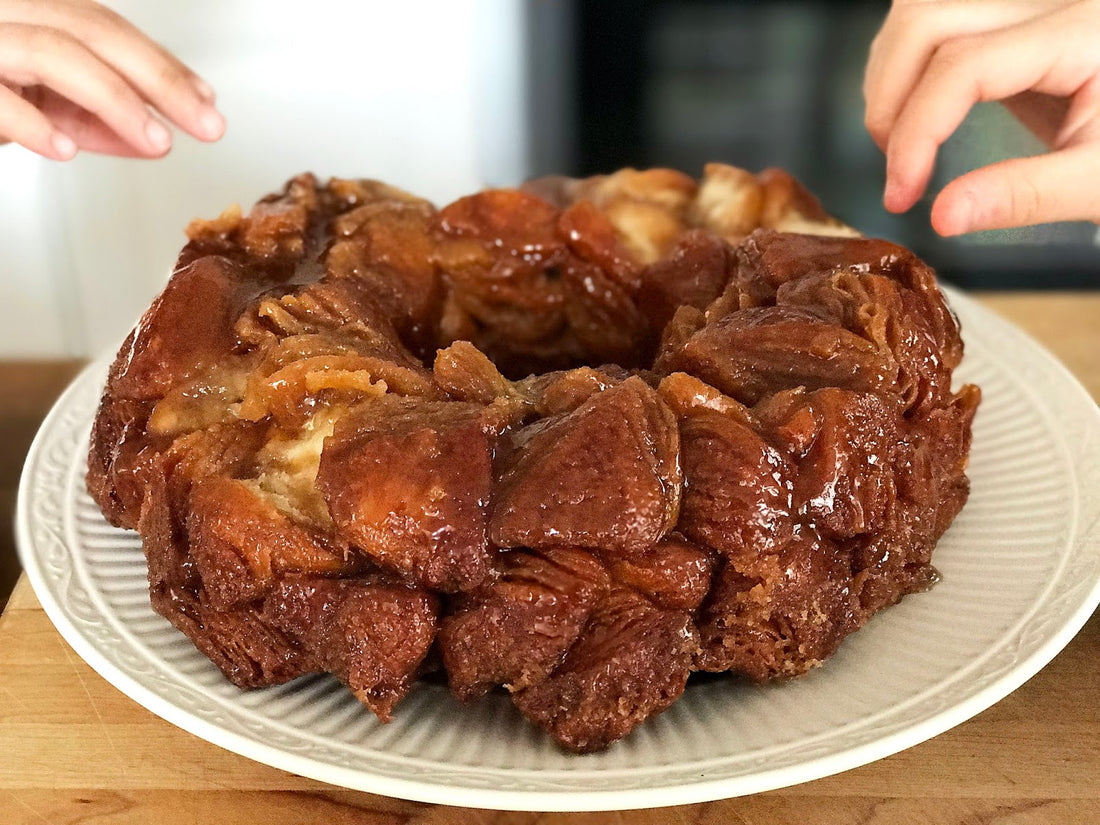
756	84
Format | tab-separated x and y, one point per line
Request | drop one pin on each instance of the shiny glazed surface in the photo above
579	440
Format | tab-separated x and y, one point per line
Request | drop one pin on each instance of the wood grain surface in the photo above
75	750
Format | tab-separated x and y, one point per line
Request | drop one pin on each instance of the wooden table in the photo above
74	749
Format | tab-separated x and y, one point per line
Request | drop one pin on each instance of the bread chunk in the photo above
573	441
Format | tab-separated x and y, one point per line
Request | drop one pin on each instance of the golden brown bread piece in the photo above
577	439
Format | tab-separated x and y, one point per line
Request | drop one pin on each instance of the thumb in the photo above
1022	192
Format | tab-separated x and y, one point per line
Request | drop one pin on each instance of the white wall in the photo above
423	94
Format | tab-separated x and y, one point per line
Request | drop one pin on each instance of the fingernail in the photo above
962	216
964	220
211	123
63	145
158	136
954	212
206	92
891	196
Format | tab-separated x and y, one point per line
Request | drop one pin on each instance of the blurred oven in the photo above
681	82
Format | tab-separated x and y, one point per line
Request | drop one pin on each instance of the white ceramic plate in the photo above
1021	574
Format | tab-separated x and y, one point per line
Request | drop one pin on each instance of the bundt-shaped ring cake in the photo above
579	439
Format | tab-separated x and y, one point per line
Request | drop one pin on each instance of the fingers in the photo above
154	73
1082	114
909	38
37	56
1022	192
24	124
89	132
1034	56
76	70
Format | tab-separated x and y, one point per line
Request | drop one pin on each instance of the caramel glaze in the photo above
579	440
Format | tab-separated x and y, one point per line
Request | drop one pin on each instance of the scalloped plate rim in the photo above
685	792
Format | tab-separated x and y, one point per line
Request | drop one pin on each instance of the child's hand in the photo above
933	60
76	76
